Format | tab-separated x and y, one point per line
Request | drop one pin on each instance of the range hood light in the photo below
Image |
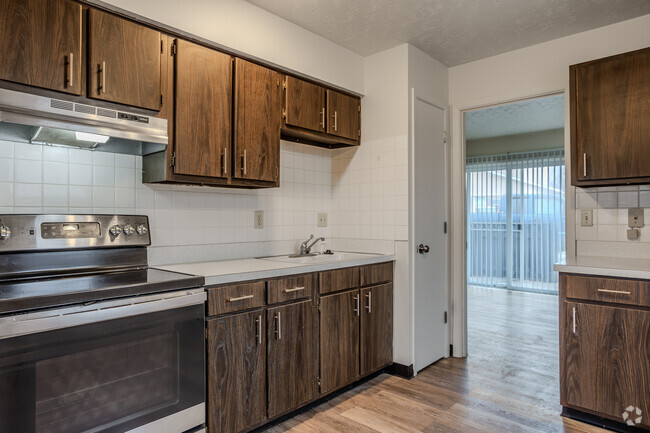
93	138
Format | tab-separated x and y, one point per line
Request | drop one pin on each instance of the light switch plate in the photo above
259	219
635	218
322	219
586	218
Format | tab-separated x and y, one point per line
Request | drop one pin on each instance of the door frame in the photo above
413	94
458	233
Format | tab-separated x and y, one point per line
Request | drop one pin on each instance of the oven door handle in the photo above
25	324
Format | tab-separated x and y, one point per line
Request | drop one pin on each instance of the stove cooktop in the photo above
54	291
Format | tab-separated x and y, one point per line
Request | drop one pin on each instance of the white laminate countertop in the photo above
606	266
231	271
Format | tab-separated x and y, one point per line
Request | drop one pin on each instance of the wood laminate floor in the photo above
508	383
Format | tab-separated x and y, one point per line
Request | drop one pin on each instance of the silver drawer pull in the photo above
241	298
620	292
297	289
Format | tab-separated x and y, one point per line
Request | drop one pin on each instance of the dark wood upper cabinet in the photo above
291	355
123	61
203	111
236	372
376	328
610	120
606	359
42	42
257	123
339	339
304	105
343	113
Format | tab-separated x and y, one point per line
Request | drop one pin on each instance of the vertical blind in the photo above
515	220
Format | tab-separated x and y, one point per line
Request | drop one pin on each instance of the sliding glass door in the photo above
515	220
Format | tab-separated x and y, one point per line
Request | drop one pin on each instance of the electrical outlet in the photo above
587	218
259	219
635	218
322	219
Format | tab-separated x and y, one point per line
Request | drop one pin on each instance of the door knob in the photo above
423	249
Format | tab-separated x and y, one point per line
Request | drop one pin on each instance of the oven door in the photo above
131	365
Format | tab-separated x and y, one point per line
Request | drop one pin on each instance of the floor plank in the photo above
508	383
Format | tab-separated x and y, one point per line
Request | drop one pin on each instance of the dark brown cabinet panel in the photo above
610	108
203	114
375	274
339	339
236	372
258	119
123	61
291	357
606	359
304	105
338	279
343	113
41	42
376	328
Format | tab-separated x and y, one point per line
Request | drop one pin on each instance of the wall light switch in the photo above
259	219
635	218
322	219
587	218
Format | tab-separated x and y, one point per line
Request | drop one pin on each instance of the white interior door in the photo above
428	213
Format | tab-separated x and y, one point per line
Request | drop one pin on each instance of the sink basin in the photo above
324	258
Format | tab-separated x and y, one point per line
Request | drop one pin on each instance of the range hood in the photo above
29	118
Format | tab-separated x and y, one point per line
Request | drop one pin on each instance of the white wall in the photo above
533	71
243	27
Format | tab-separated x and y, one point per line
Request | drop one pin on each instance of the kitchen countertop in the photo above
606	266
232	271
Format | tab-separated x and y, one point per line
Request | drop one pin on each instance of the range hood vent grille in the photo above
62	105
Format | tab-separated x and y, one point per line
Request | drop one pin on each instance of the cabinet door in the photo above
343	115
123	61
236	372
612	105
305	105
203	113
376	328
606	361
41	42
258	119
339	339
291	354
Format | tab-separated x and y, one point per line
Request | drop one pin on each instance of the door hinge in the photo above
444	226
319	386
172	50
284	114
161	99
162	46
445	317
172	160
359	108
284	83
444	137
359	133
319	310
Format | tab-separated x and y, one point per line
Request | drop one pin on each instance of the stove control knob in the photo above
5	232
129	230
142	230
115	230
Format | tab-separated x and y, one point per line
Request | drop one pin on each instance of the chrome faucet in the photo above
305	247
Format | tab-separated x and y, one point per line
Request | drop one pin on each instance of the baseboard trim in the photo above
598	421
405	371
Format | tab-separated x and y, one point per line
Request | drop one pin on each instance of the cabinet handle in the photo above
336	123
102	70
620	292
244	162
369	306
259	330
357	301
574	320
584	165
241	298
278	331
225	161
322	118
70	68
296	289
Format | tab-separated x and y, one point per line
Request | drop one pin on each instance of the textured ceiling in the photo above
451	31
531	115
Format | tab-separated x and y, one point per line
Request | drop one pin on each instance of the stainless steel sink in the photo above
319	258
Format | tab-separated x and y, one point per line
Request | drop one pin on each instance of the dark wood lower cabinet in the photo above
376	328
339	340
606	360
291	357
236	372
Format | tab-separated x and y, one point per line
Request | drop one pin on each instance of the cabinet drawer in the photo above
338	279
288	289
374	274
227	299
629	292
